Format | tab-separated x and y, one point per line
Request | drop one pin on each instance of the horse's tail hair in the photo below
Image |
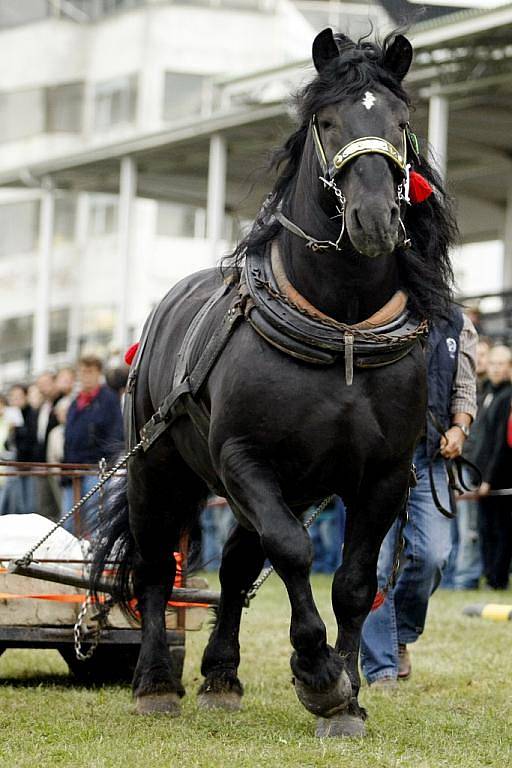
114	549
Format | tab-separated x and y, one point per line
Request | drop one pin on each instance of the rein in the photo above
354	149
454	469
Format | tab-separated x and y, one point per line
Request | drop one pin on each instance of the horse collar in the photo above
386	314
289	322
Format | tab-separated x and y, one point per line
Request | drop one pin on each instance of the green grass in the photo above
455	711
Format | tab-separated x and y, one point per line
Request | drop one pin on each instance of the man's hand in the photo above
452	443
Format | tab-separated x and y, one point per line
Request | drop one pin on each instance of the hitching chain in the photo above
251	592
28	557
101	617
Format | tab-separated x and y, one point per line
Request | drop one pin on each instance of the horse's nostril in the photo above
393	218
356	218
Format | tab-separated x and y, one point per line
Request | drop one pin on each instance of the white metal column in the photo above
81	237
438	131
216	203
507	243
127	194
40	339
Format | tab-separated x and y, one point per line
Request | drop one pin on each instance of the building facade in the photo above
128	128
82	75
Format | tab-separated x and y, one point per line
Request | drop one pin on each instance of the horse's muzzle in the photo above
373	229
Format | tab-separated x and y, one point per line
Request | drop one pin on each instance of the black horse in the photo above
293	377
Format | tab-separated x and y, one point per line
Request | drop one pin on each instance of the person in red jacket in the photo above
94	429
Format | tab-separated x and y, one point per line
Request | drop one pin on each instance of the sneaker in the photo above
404	662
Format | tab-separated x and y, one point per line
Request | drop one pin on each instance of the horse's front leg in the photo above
320	680
355	582
242	561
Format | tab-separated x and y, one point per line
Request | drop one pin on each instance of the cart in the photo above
44	603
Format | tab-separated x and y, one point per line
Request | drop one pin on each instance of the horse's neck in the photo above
343	284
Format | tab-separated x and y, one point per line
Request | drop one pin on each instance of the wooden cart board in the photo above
25	601
30	602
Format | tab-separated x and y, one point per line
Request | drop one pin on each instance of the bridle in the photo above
347	154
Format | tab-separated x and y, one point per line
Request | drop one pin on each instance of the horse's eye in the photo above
403	126
325	125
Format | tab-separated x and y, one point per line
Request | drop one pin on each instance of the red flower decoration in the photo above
419	188
130	353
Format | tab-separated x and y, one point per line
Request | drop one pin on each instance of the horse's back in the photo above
167	329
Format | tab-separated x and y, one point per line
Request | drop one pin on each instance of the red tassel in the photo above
378	600
130	353
419	188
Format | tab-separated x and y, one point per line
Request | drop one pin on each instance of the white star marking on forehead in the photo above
369	100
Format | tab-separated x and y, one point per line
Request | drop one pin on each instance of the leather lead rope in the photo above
454	469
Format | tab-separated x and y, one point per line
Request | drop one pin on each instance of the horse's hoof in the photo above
341	725
230	701
327	702
167	702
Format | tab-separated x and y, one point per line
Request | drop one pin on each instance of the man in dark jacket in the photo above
400	620
94	429
493	456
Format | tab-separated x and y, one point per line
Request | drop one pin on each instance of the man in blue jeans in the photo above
450	357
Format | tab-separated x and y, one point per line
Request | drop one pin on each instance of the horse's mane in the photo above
425	268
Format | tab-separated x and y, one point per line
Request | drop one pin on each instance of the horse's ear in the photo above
398	57
324	49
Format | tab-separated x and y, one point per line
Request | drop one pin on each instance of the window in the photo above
19	227
22	12
64	222
97	326
115	102
182	95
103	217
22	113
58	331
174	220
39	110
16	338
64	108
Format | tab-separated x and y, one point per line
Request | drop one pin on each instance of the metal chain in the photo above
400	543
421	329
29	555
100	618
102	471
266	572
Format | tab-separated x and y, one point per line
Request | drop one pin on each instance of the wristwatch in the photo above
463	427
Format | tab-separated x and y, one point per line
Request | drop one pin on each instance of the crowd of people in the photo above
70	416
73	415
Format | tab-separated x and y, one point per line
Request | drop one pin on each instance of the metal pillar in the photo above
216	203
127	194
81	237
507	243
40	339
438	131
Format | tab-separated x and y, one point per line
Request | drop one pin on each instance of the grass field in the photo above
455	711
